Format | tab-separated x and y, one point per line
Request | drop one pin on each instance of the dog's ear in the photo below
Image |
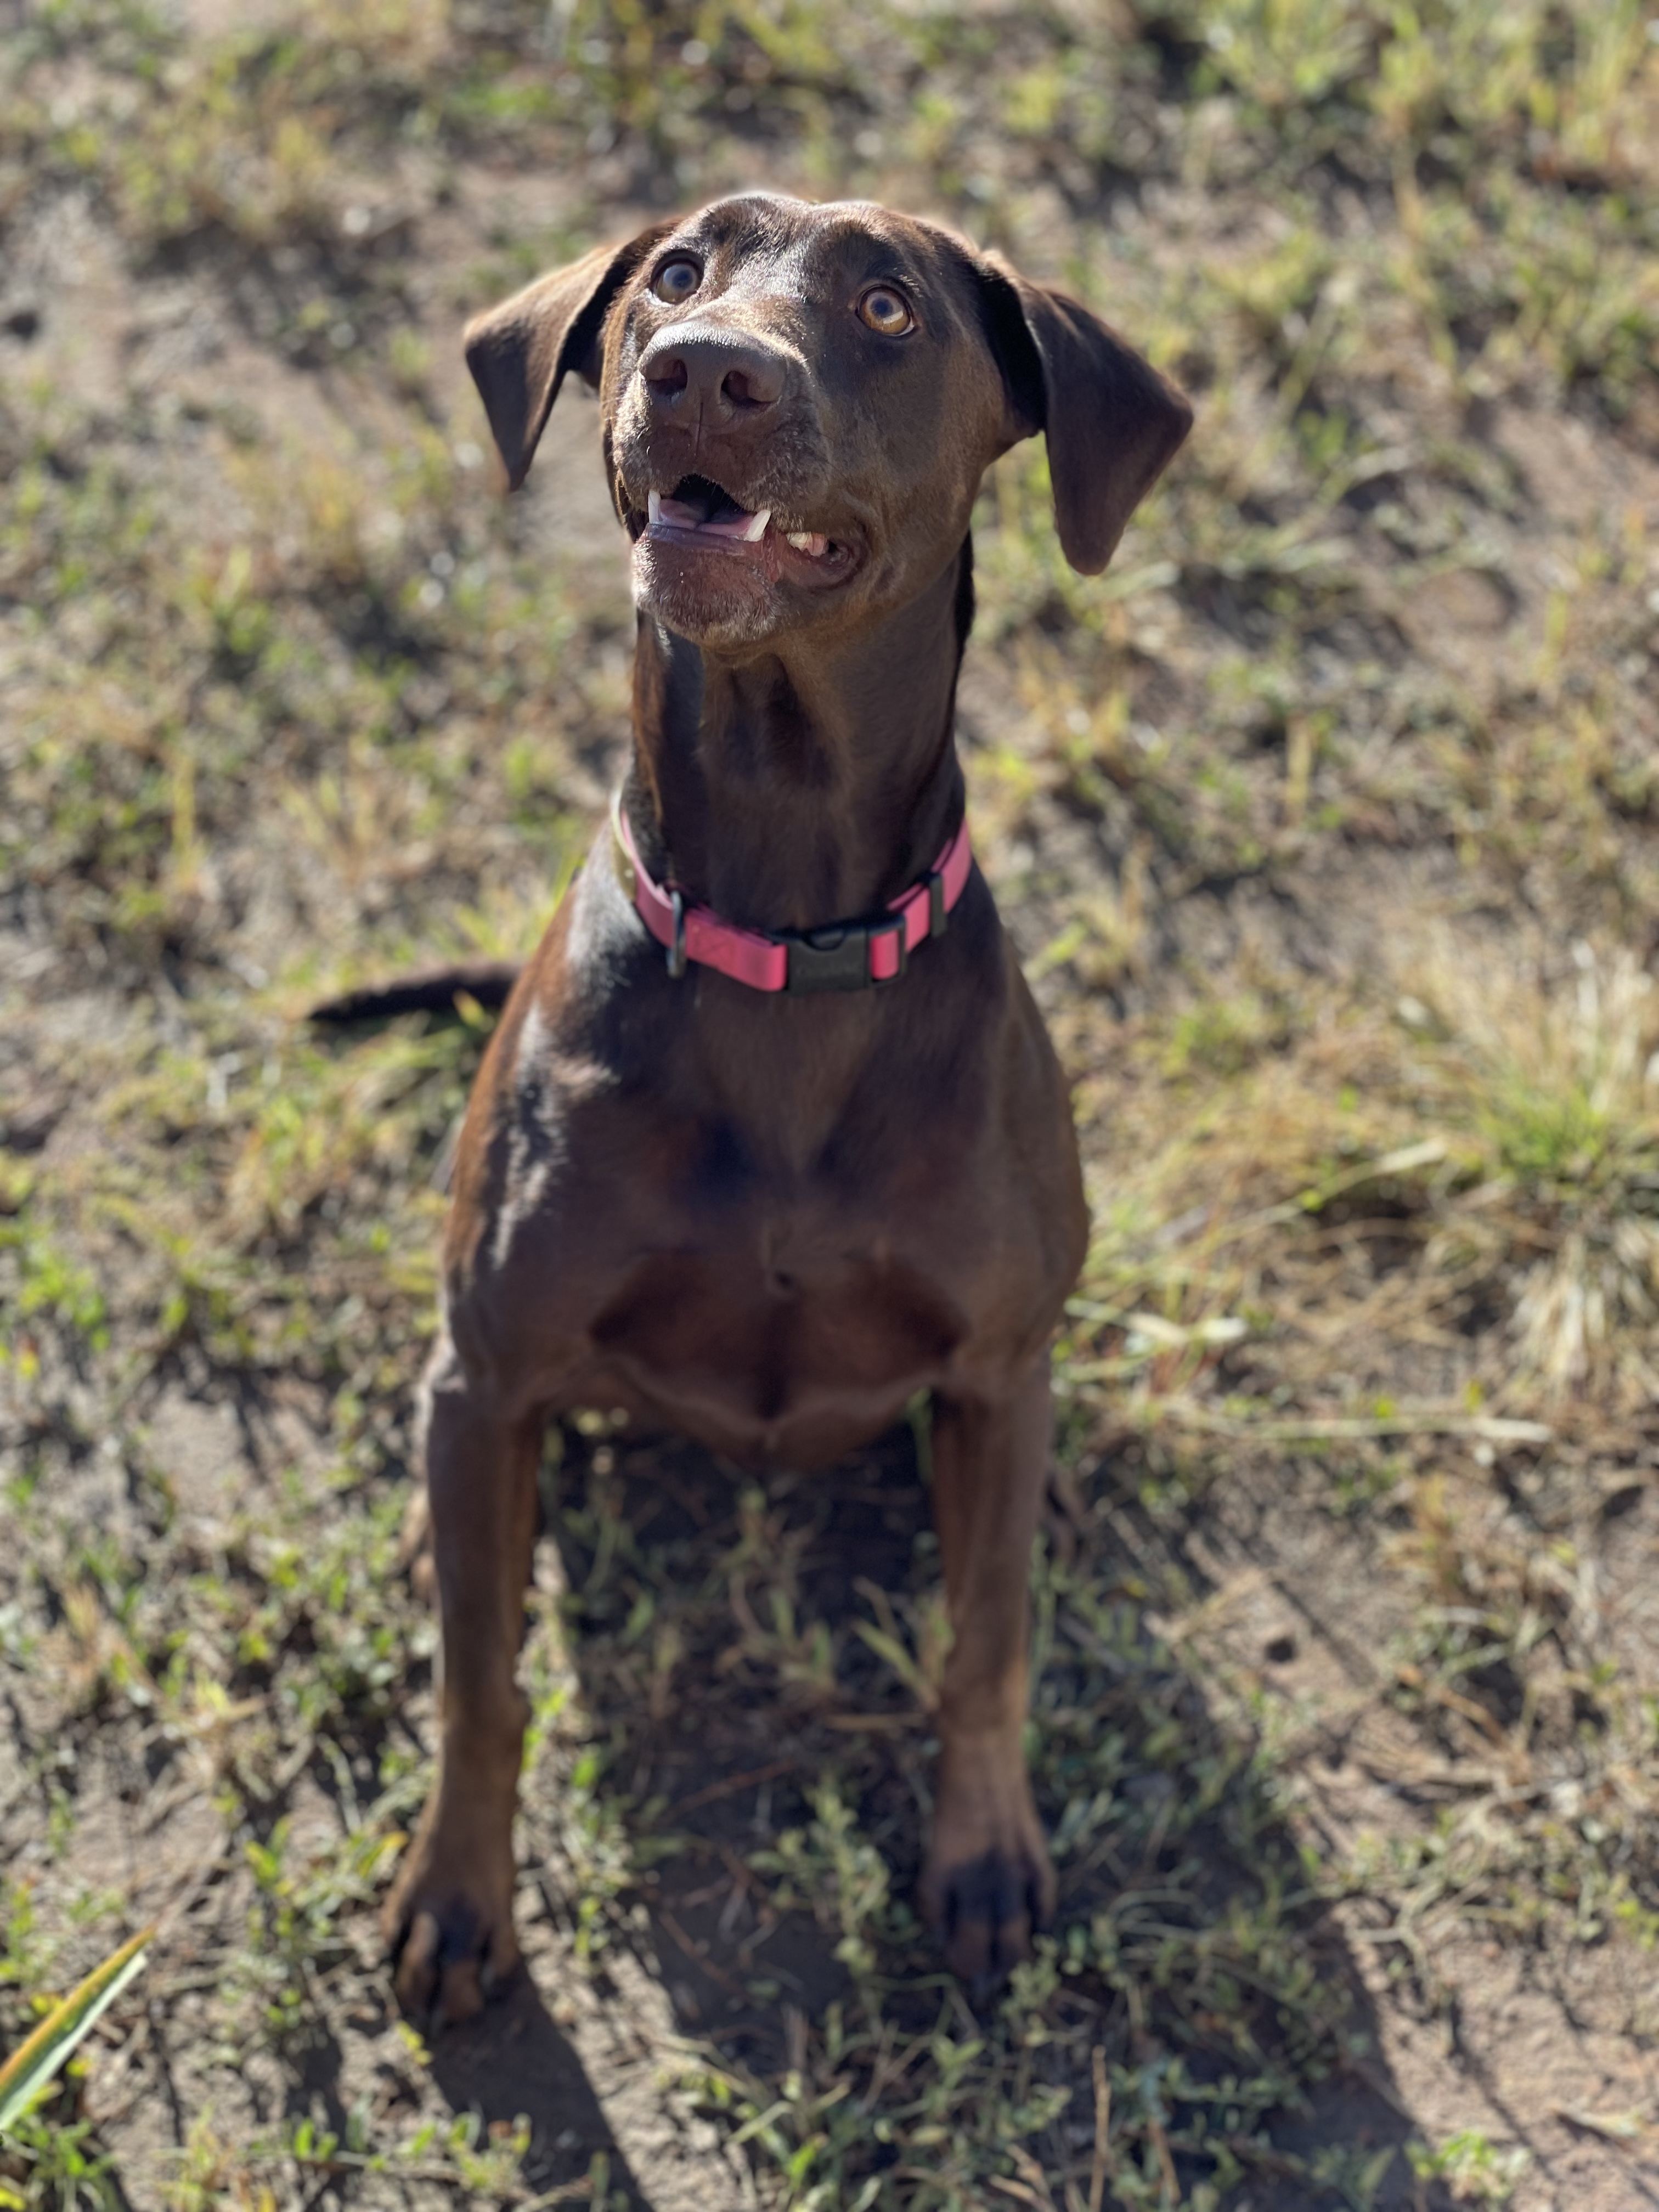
1112	423
519	352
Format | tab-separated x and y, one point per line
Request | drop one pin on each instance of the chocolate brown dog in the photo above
733	1161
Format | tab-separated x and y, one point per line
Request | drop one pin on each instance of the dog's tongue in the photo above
693	515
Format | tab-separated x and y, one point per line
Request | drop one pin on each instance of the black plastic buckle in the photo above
676	950
838	959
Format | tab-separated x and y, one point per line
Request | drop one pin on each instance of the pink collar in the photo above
846	955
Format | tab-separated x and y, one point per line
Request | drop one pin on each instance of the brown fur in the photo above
770	1221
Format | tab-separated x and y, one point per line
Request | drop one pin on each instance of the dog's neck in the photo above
808	783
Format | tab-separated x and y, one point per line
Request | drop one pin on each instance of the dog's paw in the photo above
448	1929
987	1886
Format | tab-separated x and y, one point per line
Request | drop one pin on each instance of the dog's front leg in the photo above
987	1883
449	1918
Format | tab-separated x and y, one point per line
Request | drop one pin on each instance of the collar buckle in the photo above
839	958
833	959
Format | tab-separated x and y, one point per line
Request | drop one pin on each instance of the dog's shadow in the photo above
517	2064
750	1661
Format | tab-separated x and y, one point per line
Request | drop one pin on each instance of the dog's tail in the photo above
427	990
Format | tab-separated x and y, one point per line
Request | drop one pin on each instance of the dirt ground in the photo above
1326	823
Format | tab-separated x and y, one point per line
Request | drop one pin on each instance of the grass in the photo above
1324	822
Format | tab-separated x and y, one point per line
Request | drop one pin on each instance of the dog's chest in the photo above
787	1335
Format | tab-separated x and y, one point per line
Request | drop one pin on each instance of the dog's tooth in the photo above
757	526
809	541
653	507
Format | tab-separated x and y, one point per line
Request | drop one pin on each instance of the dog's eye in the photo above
887	311
676	280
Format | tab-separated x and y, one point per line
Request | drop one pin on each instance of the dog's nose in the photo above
711	376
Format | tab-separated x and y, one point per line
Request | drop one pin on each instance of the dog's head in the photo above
799	402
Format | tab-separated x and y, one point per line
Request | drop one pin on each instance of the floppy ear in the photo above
1112	423
519	352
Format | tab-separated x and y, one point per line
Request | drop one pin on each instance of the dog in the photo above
770	1137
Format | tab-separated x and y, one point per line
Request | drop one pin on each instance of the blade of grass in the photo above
1409	1421
26	2074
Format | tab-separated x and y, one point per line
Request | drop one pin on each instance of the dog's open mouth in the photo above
701	512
